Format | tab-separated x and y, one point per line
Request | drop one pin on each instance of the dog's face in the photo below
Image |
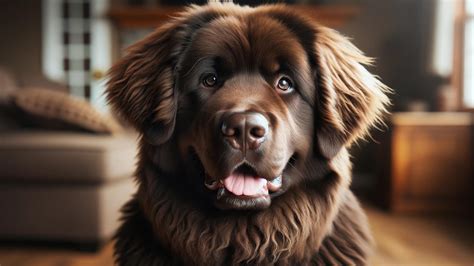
246	91
245	99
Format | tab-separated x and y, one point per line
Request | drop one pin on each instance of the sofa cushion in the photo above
55	109
66	213
51	156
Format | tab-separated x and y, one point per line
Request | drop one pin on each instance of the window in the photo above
468	58
77	46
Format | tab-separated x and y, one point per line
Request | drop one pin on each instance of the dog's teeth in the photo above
212	184
275	184
276	181
220	192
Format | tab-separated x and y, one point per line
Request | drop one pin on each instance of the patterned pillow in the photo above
54	109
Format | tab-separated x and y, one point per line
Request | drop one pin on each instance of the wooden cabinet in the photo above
426	163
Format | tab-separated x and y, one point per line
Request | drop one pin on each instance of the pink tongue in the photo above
246	185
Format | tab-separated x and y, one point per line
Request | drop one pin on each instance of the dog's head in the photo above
245	98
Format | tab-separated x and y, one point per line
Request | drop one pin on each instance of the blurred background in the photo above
66	164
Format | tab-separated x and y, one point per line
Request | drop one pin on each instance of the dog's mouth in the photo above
244	189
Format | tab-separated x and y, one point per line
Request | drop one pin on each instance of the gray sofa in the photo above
63	186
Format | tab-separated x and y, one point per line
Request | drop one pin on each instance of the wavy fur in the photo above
317	221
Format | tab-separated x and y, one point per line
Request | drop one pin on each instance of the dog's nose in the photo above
245	130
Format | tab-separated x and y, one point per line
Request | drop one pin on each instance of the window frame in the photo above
457	77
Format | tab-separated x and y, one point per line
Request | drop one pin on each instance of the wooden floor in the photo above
401	240
421	240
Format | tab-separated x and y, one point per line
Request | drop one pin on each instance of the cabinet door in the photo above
432	167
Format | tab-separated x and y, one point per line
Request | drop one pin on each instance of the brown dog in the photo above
246	115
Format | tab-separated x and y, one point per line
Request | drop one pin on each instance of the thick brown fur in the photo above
317	220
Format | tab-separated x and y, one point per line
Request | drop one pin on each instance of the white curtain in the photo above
443	38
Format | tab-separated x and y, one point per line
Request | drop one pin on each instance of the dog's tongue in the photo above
246	185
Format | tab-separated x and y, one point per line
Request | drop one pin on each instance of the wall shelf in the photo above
149	17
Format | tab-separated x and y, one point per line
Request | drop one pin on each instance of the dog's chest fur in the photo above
293	230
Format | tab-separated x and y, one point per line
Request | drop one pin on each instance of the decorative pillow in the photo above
58	110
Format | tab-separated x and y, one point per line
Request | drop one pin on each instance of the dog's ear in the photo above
349	99
141	85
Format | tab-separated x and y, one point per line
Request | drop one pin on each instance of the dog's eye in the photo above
285	84
209	80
